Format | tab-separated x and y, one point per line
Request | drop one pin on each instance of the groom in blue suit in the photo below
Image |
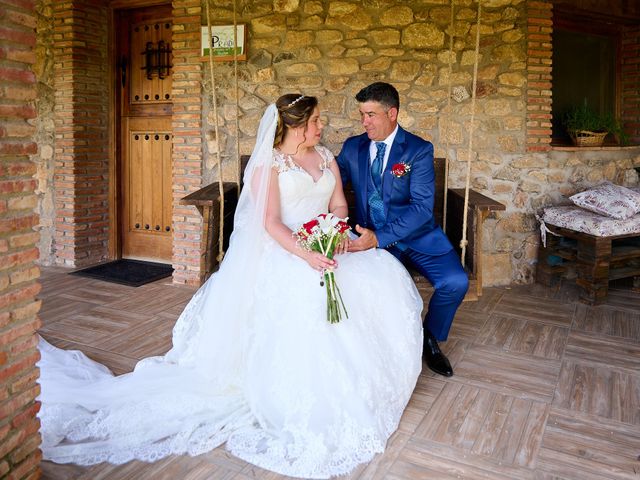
391	172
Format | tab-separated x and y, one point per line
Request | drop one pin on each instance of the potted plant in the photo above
588	128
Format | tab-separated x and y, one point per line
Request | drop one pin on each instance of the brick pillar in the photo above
539	50
187	139
81	145
19	437
630	113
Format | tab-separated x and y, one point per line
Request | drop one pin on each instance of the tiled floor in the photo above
545	388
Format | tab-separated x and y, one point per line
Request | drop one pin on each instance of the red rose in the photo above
400	169
309	226
342	227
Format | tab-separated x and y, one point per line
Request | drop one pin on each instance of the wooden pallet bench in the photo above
593	260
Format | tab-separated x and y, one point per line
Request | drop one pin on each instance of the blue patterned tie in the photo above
376	166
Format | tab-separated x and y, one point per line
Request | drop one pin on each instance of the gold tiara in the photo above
295	101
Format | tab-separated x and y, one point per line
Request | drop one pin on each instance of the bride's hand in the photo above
319	262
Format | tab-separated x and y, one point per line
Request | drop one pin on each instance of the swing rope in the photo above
235	76
463	241
447	137
220	255
216	129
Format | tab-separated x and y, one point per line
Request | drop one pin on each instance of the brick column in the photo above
19	437
187	139
539	50
81	144
630	113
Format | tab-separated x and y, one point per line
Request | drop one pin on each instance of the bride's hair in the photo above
294	110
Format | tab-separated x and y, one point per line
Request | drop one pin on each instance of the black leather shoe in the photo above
436	360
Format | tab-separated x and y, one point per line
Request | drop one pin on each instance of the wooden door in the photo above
145	139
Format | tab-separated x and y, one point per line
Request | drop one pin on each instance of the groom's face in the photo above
378	120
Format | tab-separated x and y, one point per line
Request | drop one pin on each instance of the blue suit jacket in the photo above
408	200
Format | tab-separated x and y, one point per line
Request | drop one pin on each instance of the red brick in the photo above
20	18
30	411
24	469
17	296
17	186
17	224
18	36
28	5
20	111
18	148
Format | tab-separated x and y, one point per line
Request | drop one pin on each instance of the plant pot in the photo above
586	138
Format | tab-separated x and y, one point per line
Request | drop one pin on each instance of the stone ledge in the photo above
571	148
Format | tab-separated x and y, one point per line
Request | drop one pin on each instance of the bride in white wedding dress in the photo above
254	361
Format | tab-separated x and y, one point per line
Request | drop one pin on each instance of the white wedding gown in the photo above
285	390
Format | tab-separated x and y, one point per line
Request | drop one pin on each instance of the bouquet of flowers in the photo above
323	234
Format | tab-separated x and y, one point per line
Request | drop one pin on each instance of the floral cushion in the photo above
582	220
609	199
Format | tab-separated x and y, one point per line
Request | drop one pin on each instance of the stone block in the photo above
512	36
296	39
447	56
328	37
510	92
513	123
508	53
269	24
288	6
359	52
404	70
356	21
497	107
460	29
345	66
385	36
338	9
397	16
508	143
379	64
313	8
497	269
496	3
422	35
302	68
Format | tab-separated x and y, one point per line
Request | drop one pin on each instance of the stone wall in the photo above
19	437
331	49
526	184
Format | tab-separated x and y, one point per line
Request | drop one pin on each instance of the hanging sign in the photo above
222	41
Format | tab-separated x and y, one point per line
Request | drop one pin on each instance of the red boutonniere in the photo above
400	169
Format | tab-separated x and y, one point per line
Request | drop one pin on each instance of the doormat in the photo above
127	272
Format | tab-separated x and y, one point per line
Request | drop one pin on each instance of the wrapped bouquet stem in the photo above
323	234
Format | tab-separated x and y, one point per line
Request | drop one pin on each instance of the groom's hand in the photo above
366	240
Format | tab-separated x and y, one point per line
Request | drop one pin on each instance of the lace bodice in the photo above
302	198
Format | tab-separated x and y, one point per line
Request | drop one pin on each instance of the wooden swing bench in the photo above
207	200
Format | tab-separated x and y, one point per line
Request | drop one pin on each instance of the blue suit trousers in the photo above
450	283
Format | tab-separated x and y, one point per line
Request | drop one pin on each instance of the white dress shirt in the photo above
373	150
